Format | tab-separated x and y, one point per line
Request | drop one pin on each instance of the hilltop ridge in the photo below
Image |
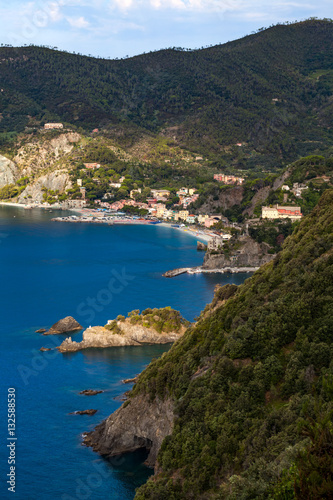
270	92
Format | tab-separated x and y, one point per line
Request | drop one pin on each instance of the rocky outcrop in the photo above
138	423
227	199
8	172
90	392
201	246
130	380
58	180
42	153
65	325
84	412
250	254
98	336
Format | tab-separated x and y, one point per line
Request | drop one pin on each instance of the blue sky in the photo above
116	28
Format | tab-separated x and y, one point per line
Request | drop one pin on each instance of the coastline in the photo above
102	218
200	235
12	204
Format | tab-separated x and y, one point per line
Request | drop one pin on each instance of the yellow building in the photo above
182	215
160	193
202	218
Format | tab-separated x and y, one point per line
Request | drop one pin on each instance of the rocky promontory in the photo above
246	253
153	326
138	423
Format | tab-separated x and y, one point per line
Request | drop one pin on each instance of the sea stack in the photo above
65	325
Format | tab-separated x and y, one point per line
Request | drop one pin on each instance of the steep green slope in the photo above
271	90
253	382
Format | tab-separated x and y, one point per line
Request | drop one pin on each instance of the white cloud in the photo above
188	5
124	4
54	11
78	22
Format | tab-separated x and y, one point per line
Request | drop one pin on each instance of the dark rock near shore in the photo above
138	423
90	392
65	325
130	380
122	397
43	349
201	246
84	412
41	330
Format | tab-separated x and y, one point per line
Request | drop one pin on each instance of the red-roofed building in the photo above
279	212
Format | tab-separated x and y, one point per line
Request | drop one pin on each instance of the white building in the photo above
50	126
279	212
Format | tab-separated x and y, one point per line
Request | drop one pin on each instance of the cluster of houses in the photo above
296	190
158	209
228	179
187	196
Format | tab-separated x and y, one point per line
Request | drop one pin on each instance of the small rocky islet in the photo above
65	325
152	326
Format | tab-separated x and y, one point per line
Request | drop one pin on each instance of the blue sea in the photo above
50	270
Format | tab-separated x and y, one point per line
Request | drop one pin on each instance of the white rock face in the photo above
57	181
98	336
8	171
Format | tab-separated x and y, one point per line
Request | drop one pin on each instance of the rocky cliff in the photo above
59	180
226	199
40	153
249	254
8	172
139	423
99	336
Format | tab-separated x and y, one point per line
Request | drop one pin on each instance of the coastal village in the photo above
102	187
151	379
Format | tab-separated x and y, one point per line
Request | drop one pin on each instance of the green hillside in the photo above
253	382
270	92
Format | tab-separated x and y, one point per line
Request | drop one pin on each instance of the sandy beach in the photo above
199	234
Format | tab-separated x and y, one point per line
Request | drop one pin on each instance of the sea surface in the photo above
50	270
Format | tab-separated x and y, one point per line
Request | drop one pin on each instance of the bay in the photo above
50	270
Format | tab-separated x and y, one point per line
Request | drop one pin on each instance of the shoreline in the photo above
200	234
98	218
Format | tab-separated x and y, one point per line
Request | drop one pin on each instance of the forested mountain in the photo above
249	387
270	91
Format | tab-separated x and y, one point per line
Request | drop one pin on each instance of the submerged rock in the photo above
68	324
84	412
43	349
90	392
